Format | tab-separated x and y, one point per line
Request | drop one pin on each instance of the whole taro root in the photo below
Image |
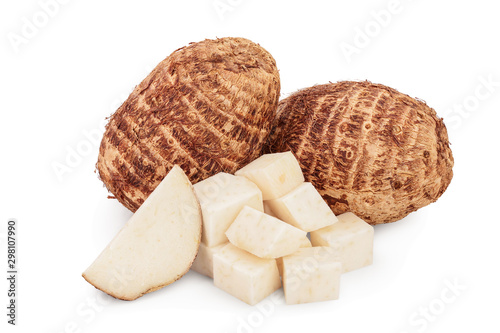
367	148
208	107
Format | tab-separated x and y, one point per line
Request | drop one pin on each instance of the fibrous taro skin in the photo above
367	148
207	107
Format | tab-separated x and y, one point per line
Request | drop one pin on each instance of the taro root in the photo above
367	148
207	107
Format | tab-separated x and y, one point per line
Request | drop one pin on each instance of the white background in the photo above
59	82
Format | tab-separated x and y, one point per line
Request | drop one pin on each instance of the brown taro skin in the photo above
367	148
207	107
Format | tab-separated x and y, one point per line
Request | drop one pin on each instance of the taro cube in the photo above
311	274
245	276
275	174
279	261
221	198
351	238
263	235
303	208
203	263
